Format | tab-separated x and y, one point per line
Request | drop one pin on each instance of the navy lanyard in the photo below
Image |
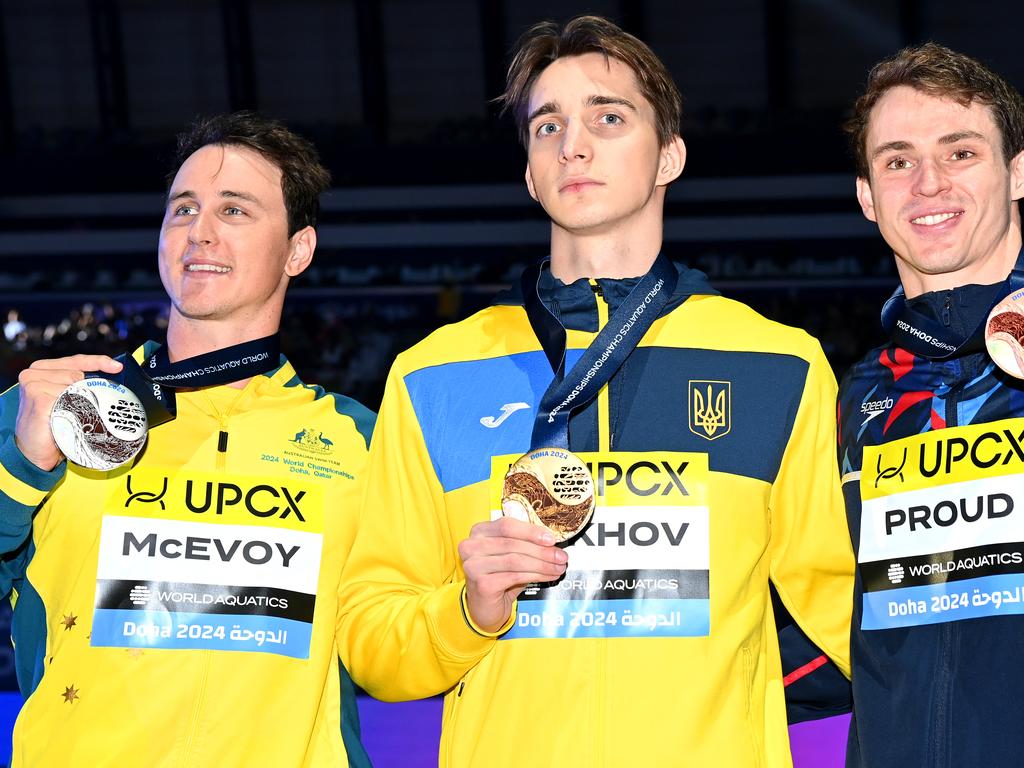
605	355
924	336
156	379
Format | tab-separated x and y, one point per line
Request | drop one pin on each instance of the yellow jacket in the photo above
182	611
604	695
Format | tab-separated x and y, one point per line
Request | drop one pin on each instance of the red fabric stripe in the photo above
906	400
805	670
900	364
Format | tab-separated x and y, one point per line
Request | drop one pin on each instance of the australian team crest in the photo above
313	440
710	408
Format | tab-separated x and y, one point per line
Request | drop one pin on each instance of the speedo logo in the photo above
874	408
218	497
642	478
925	337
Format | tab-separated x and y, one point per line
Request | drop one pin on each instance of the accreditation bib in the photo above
202	560
641	566
942	526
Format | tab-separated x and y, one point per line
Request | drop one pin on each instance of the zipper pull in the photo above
947	308
596	288
222	442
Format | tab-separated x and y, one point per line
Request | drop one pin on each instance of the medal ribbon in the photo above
156	379
605	355
924	336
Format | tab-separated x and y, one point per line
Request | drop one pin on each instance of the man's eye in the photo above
962	154
233	211
185	210
547	129
610	119
899	164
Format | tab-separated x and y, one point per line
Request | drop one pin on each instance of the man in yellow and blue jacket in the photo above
181	610
648	639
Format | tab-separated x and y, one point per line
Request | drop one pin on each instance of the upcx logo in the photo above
221	497
146	497
890	472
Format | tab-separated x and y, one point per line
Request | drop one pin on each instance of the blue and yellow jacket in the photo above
182	611
932	456
658	647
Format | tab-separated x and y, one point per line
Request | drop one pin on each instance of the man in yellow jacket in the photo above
648	638
180	610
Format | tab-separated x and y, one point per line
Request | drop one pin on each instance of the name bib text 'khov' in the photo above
641	566
942	526
204	560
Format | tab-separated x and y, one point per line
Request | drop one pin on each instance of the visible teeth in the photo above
934	219
207	268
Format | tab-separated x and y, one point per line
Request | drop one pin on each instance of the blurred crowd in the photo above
346	344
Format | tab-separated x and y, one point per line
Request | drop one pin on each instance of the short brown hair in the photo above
303	178
938	71
544	43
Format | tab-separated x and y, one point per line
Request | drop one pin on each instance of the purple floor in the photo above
406	735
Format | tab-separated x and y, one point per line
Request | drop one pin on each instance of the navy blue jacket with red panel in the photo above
932	457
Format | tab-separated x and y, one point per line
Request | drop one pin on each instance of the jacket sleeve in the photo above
402	630
812	564
23	487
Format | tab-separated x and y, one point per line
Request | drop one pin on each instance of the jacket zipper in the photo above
448	727
604	443
194	722
944	672
605	439
222	444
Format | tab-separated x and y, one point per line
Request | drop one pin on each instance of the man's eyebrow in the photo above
953	138
548	108
227	193
552	107
601	101
245	196
891	146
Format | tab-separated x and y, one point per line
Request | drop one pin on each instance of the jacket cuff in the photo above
21	480
482	632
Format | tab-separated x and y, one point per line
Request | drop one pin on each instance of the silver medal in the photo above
98	424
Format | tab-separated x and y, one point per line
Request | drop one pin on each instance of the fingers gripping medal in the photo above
552	488
1004	334
98	424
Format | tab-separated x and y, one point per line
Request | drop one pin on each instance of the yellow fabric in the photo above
121	706
612	701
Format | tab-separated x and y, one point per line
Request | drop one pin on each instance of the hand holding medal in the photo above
101	421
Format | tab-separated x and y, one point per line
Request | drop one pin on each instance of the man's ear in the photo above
864	197
1017	176
303	246
529	183
671	160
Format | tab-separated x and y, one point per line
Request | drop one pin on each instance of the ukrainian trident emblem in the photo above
710	408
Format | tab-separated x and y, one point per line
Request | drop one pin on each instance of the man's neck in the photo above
612	255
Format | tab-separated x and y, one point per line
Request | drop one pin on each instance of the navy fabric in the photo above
939	695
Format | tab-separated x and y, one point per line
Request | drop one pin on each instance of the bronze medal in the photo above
552	488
